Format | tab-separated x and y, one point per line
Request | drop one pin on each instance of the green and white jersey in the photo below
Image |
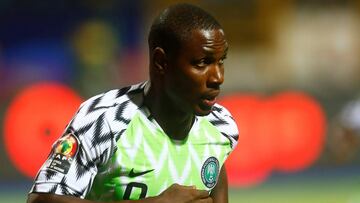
113	149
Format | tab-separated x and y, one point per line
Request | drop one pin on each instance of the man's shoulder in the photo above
107	114
112	99
222	119
219	112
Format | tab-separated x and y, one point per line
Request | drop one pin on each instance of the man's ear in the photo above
159	60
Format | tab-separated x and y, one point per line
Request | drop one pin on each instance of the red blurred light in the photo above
251	162
284	132
34	120
300	136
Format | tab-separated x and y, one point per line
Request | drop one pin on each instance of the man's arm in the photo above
220	193
47	198
175	193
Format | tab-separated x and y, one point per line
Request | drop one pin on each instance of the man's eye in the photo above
203	62
221	61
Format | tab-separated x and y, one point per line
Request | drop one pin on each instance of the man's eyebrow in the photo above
210	52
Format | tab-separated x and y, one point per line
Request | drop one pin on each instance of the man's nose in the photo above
216	75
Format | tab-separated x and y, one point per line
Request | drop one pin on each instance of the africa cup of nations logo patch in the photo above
66	146
210	172
64	152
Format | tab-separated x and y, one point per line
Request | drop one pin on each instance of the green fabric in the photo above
144	147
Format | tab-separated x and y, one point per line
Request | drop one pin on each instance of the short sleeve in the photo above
75	157
221	118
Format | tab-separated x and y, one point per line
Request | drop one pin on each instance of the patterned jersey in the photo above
113	150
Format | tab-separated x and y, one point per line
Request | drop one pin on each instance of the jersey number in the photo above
130	187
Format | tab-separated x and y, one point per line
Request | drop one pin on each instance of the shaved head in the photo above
174	25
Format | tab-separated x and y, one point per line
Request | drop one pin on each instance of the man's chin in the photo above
203	110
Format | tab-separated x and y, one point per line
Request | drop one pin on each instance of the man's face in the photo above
194	76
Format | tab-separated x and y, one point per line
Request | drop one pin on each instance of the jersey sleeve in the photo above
221	118
72	165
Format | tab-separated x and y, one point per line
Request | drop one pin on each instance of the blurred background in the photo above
292	82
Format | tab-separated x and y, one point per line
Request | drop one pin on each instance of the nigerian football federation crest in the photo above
210	172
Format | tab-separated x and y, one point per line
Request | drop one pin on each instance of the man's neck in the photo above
175	122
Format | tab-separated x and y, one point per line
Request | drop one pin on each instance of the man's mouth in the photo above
209	100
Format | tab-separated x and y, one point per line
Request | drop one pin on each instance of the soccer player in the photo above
163	140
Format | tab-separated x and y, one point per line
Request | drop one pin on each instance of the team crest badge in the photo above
210	172
64	152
